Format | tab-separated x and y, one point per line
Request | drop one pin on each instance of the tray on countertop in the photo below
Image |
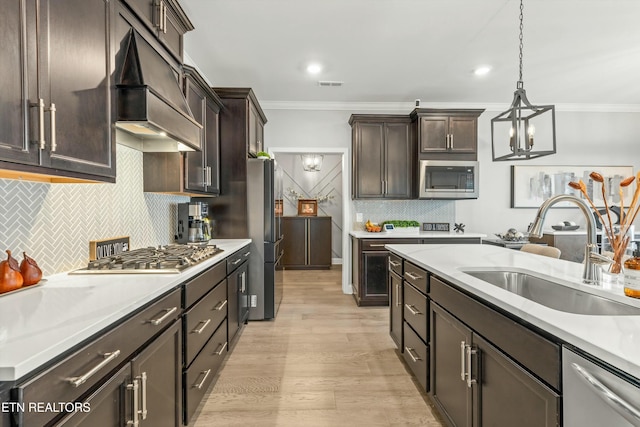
24	288
565	227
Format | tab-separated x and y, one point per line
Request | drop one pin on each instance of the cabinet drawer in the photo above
533	351
204	318
395	264
416	276
416	311
200	375
416	354
235	260
106	353
197	287
378	244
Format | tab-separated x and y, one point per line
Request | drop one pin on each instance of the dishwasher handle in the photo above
618	404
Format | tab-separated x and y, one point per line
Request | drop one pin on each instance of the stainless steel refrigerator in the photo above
264	188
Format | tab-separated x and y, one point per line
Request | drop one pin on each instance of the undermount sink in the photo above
552	294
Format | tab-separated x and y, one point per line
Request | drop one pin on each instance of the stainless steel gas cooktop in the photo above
163	259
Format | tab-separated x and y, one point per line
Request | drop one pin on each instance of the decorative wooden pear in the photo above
10	276
31	273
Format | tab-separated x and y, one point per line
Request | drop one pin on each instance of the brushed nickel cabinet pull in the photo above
412	309
134	387
247	253
236	261
168	312
220	305
201	328
470	380
463	374
201	383
377	245
412	276
398	294
410	352
219	352
394	264
108	358
40	106
451	141
143	391
160	14
52	111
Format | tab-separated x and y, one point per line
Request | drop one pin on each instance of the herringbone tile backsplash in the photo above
53	223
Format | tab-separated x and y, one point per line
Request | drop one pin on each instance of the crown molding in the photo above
407	107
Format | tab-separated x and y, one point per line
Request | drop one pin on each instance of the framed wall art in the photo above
533	184
307	207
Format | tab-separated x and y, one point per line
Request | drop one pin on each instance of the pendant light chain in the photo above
520	84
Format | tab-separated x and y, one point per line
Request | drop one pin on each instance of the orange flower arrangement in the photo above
619	241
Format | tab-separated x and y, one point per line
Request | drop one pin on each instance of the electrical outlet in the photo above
254	301
359	217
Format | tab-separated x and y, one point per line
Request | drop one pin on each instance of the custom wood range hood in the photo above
150	104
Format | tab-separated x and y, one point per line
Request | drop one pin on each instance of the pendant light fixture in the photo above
529	130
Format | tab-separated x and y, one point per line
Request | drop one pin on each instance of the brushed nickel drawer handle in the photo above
52	126
470	380
206	374
463	366
377	245
201	328
220	305
165	316
410	352
219	352
143	390
108	358
40	106
134	387
412	276
247	253
412	309
394	264
236	261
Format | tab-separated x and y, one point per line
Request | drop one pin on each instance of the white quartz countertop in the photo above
41	323
396	234
613	339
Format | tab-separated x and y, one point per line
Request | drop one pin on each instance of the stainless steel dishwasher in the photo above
595	395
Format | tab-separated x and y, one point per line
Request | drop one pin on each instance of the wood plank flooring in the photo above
322	362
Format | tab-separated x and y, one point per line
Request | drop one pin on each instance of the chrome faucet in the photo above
591	249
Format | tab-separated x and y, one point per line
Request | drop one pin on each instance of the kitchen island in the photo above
488	356
44	328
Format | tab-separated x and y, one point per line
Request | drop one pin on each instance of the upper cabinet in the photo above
446	134
201	171
193	173
242	120
55	109
166	20
384	160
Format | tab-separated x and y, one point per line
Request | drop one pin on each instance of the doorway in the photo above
335	202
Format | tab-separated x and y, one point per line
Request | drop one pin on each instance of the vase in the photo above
609	280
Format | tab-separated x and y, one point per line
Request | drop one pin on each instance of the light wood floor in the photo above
322	362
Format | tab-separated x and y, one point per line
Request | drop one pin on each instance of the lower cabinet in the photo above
369	260
481	367
306	242
128	376
396	300
237	291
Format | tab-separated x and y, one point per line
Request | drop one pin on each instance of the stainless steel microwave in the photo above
444	179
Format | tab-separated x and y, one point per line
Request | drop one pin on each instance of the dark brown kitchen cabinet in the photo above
487	370
201	169
446	134
396	300
383	161
242	120
306	242
166	20
369	269
56	109
238	291
148	343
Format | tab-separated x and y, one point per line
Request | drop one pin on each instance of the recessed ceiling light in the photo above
314	68
481	71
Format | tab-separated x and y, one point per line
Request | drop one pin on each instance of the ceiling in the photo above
583	52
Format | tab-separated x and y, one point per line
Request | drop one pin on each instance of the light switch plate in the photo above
359	217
